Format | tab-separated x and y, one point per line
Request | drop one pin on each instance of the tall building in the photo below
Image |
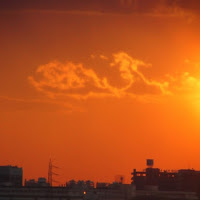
11	176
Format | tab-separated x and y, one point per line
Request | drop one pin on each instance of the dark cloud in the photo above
185	4
124	6
58	4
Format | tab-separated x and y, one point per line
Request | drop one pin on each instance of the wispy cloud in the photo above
58	80
64	86
184	84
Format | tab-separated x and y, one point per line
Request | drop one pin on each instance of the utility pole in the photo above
51	173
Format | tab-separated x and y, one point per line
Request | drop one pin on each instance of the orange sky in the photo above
99	87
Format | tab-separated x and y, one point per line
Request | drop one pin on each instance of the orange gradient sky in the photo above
99	86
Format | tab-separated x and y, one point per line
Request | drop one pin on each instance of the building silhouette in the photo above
151	183
187	180
11	176
41	182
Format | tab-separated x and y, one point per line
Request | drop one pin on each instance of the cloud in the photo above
76	81
129	71
64	85
185	83
121	77
92	7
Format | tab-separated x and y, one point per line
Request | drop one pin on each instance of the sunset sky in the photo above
99	86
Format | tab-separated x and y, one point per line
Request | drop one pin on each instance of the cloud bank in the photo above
153	7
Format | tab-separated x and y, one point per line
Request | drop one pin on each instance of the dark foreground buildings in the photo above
187	180
150	184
